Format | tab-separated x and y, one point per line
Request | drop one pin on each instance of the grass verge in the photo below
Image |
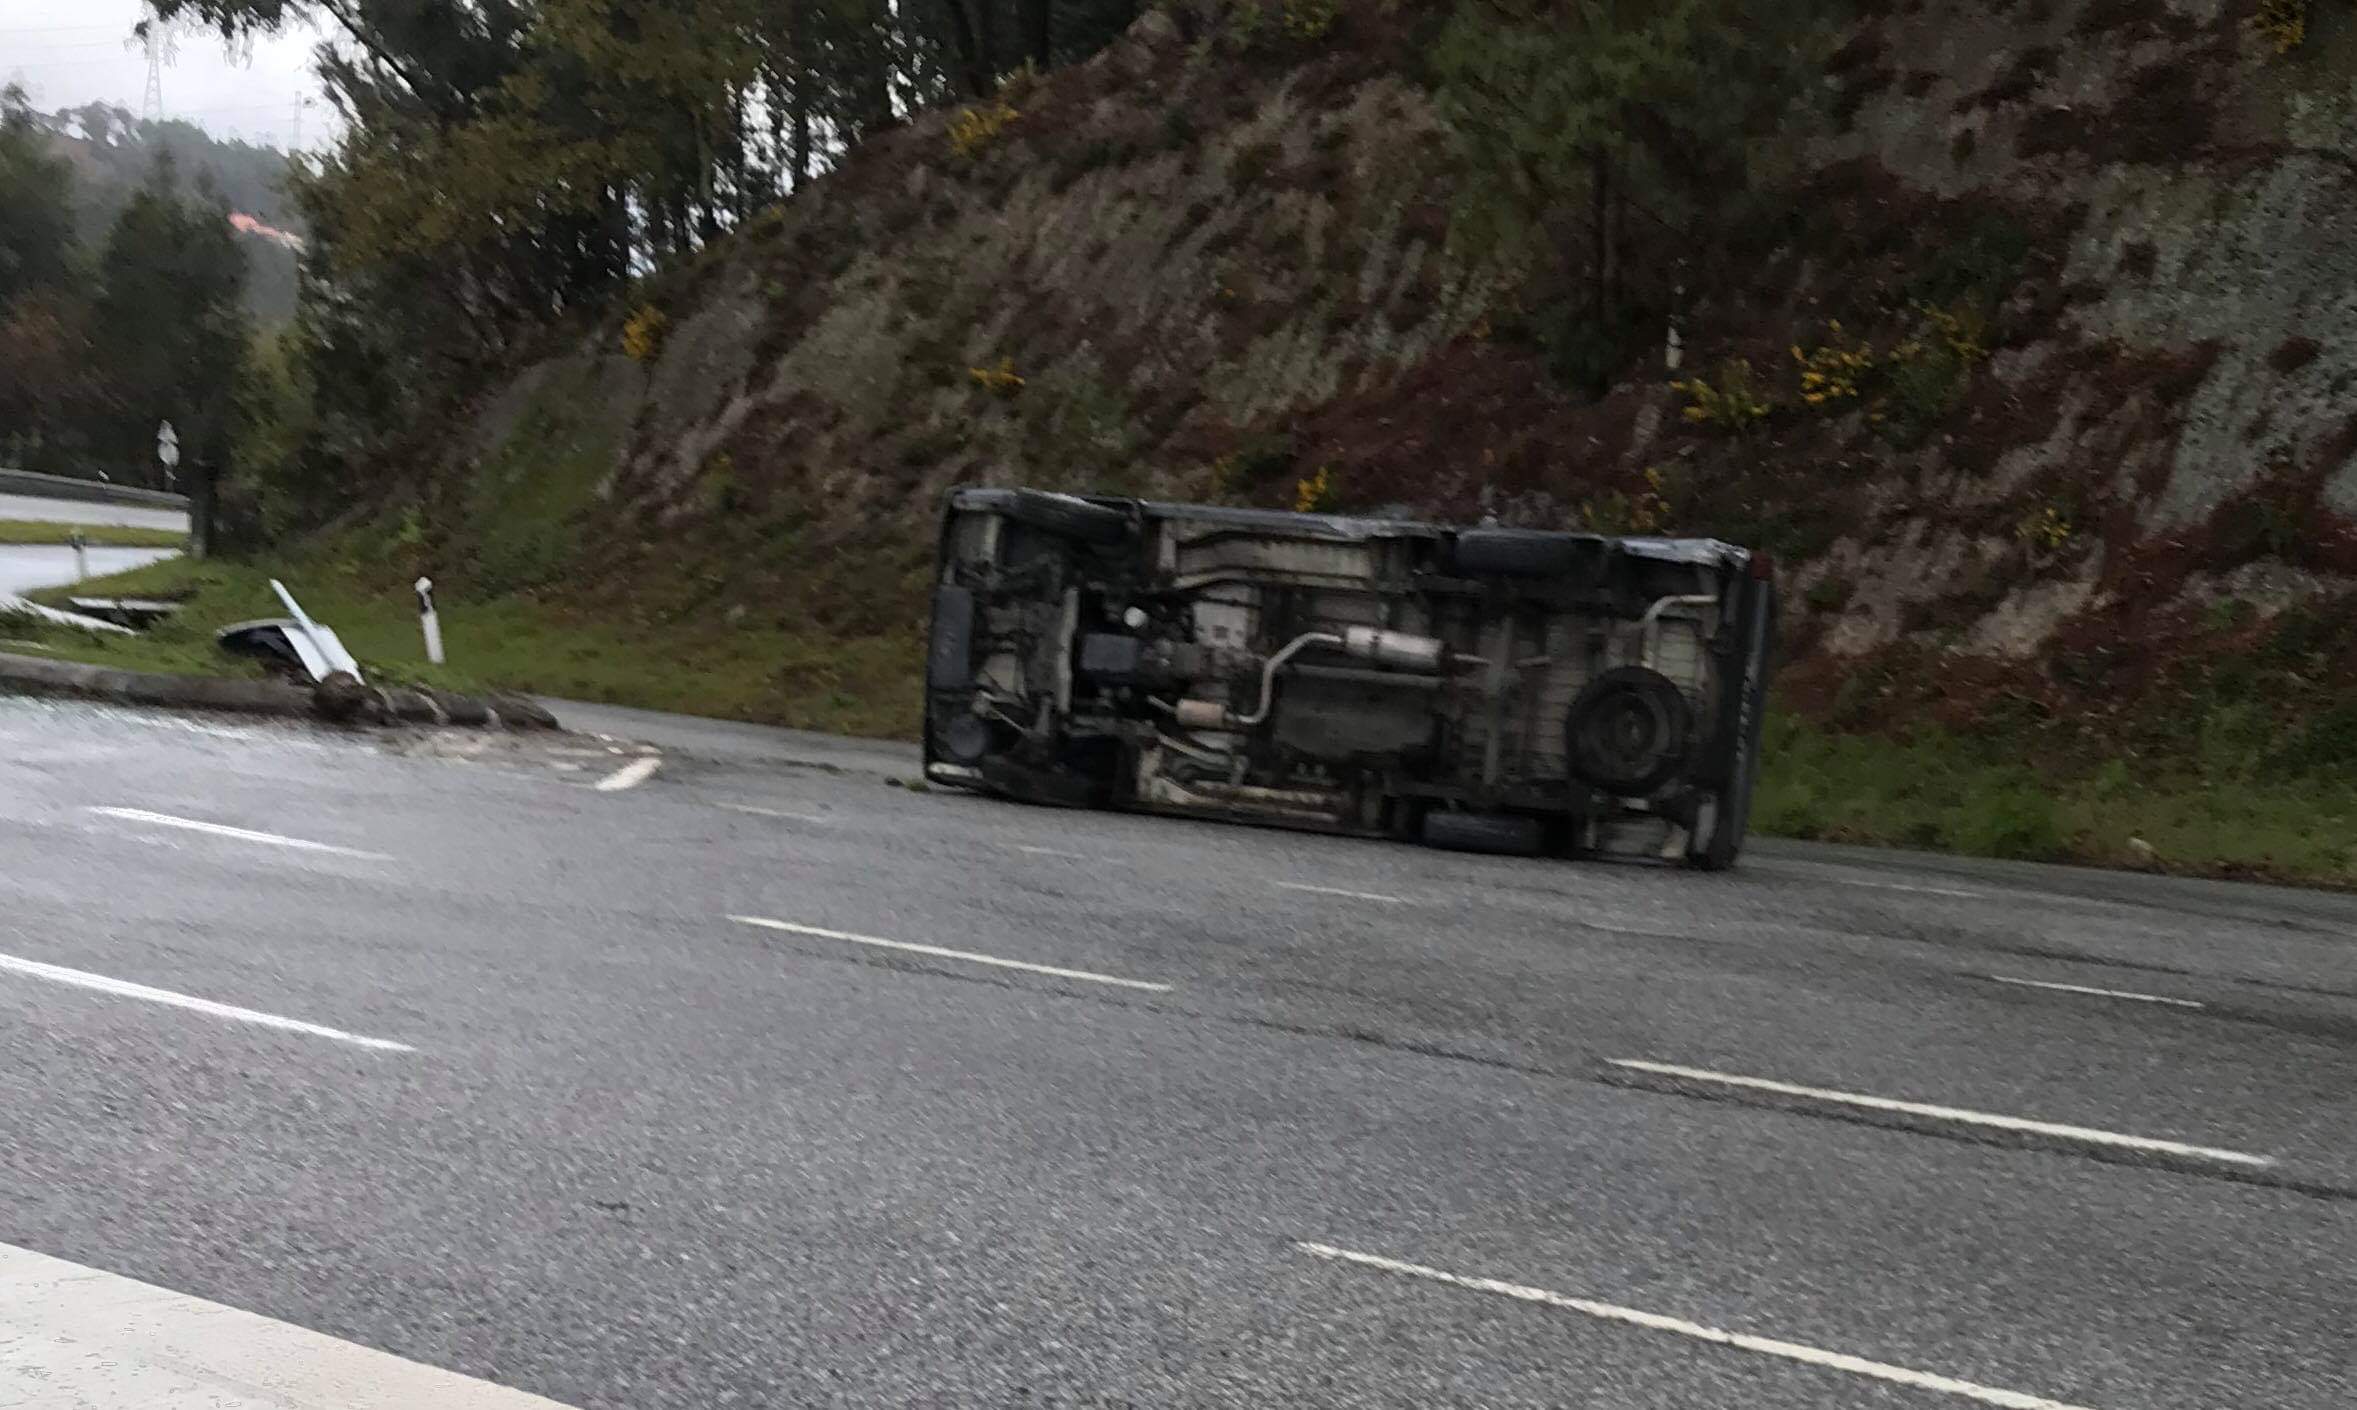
701	664
35	532
1941	792
1929	790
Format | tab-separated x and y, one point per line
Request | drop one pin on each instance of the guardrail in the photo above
87	491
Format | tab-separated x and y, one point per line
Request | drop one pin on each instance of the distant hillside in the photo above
113	153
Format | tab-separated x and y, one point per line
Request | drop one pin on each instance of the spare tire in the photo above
1068	515
1629	732
1507	834
1520	553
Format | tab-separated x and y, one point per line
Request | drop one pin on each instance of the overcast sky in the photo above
70	52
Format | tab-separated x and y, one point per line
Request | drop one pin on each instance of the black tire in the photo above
1505	834
1629	732
1719	851
1520	553
1068	515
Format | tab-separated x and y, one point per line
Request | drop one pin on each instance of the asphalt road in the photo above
24	567
43	509
1009	1106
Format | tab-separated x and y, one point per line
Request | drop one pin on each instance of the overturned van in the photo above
1502	690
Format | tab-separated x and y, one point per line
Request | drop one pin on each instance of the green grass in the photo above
26	531
703	664
1940	792
1943	793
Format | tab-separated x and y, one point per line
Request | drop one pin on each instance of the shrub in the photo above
1981	267
999	381
2282	24
1646	512
1307	21
1733	403
1318	493
1835	372
2045	526
974	129
643	333
1930	372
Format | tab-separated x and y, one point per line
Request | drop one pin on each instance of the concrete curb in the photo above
346	701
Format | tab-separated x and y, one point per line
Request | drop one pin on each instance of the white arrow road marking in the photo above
241	834
124	988
630	775
939	953
1679	1326
75	1336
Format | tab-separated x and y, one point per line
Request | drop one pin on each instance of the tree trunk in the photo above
1600	218
801	166
200	507
1038	36
986	39
961	34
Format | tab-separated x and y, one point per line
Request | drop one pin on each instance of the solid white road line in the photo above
2087	1134
771	812
939	953
1338	891
241	834
2099	993
1918	890
72	1336
1742	1341
126	989
630	775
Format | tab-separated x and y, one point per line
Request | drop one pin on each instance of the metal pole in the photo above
429	620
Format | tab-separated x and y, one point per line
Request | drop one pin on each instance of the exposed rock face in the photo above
1185	272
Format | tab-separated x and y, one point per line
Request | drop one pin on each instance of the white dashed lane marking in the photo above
123	988
761	812
1052	852
1679	1326
1338	891
1916	890
239	834
940	953
1991	1120
2127	994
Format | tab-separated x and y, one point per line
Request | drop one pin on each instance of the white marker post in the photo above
81	556
429	619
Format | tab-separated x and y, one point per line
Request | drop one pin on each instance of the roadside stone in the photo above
413	707
522	712
2142	852
343	697
462	709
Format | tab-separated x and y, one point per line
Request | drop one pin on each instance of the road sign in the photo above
167	445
